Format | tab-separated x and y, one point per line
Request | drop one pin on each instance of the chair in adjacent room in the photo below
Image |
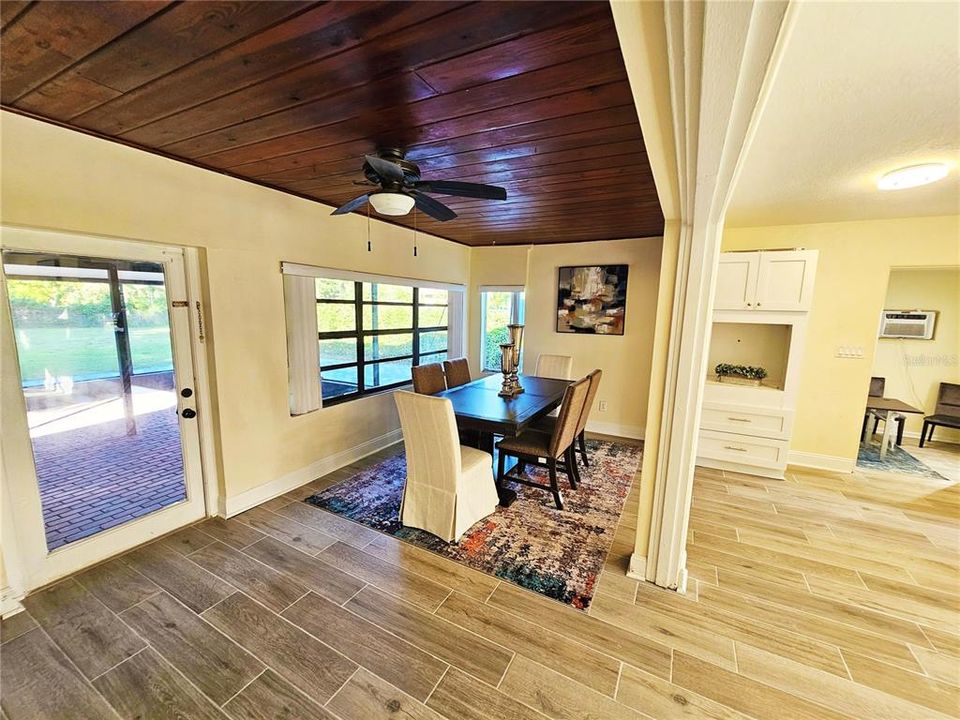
559	367
449	486
552	451
947	412
546	424
428	379
457	372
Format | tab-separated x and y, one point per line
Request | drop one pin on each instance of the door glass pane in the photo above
377	292
336	317
335	289
340	350
432	316
386	373
93	342
433	341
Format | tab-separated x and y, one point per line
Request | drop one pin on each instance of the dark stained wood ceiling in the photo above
532	96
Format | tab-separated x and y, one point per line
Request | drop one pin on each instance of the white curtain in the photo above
455	329
303	349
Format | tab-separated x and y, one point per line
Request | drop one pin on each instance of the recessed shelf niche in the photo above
765	345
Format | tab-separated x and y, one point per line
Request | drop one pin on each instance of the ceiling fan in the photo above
400	188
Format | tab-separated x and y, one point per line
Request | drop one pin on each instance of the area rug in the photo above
557	553
897	460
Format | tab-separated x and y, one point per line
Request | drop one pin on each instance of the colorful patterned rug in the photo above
556	553
897	460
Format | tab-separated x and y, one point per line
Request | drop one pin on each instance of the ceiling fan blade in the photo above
435	209
385	169
463	189
352	205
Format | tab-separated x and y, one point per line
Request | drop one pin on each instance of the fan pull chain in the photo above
369	248
414	230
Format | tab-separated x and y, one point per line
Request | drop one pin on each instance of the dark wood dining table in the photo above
478	406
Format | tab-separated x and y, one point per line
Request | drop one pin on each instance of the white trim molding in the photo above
633	432
291	481
290	268
820	462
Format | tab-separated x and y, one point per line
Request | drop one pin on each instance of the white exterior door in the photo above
100	445
736	281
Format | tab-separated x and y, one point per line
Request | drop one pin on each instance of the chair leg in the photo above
583	448
863	429
930	436
557	498
876	423
501	459
570	457
923	432
900	424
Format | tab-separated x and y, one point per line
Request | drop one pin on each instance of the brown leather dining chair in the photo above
428	379
554	451
457	372
546	424
947	412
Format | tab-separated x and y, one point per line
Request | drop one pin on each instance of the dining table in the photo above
478	406
887	409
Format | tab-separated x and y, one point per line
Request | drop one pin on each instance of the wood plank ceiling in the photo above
532	96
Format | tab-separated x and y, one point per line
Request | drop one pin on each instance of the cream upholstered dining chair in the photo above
428	379
457	372
449	486
559	367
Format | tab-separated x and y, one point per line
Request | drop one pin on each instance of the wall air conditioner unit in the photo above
913	324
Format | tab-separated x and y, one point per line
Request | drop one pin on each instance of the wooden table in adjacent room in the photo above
477	406
887	409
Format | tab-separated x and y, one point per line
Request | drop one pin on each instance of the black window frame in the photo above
359	334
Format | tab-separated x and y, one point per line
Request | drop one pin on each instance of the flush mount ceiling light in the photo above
391	203
912	176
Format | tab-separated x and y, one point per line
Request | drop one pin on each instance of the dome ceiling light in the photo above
913	176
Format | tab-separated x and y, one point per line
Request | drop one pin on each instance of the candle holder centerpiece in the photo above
510	361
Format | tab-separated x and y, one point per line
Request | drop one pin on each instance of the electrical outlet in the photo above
602	406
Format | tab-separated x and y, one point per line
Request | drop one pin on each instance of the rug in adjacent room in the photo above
557	553
897	460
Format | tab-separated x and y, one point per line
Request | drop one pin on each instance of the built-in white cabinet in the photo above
766	280
760	318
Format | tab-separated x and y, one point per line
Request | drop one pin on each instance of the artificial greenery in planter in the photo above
742	374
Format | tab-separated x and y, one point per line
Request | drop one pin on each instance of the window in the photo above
371	334
498	308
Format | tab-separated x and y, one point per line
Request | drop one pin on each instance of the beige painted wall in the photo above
850	291
491	266
55	178
914	369
625	360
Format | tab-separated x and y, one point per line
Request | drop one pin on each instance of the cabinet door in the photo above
736	281
785	280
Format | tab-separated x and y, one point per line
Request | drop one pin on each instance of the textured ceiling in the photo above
864	88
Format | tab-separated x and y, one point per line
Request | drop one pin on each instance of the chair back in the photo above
559	367
594	378
948	400
457	372
877	386
430	440
428	379
565	428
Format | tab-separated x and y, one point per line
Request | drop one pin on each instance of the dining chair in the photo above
946	413
552	451
449	486
559	367
547	423
457	372
428	379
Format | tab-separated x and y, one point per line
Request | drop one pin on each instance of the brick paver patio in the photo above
93	477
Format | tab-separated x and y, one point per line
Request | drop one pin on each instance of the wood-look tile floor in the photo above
822	596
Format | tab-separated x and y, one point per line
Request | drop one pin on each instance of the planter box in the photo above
737	380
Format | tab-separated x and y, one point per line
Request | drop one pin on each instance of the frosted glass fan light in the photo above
912	176
391	203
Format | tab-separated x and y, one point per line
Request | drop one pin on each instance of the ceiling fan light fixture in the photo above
913	176
391	203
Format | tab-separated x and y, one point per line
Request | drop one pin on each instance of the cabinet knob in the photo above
758	304
749	305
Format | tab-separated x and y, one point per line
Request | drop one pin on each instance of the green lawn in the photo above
84	352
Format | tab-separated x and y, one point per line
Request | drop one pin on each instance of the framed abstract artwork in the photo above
592	299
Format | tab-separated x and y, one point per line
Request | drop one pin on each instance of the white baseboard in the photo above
821	462
10	602
244	501
634	432
916	436
638	567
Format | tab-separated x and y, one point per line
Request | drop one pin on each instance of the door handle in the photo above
189	413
